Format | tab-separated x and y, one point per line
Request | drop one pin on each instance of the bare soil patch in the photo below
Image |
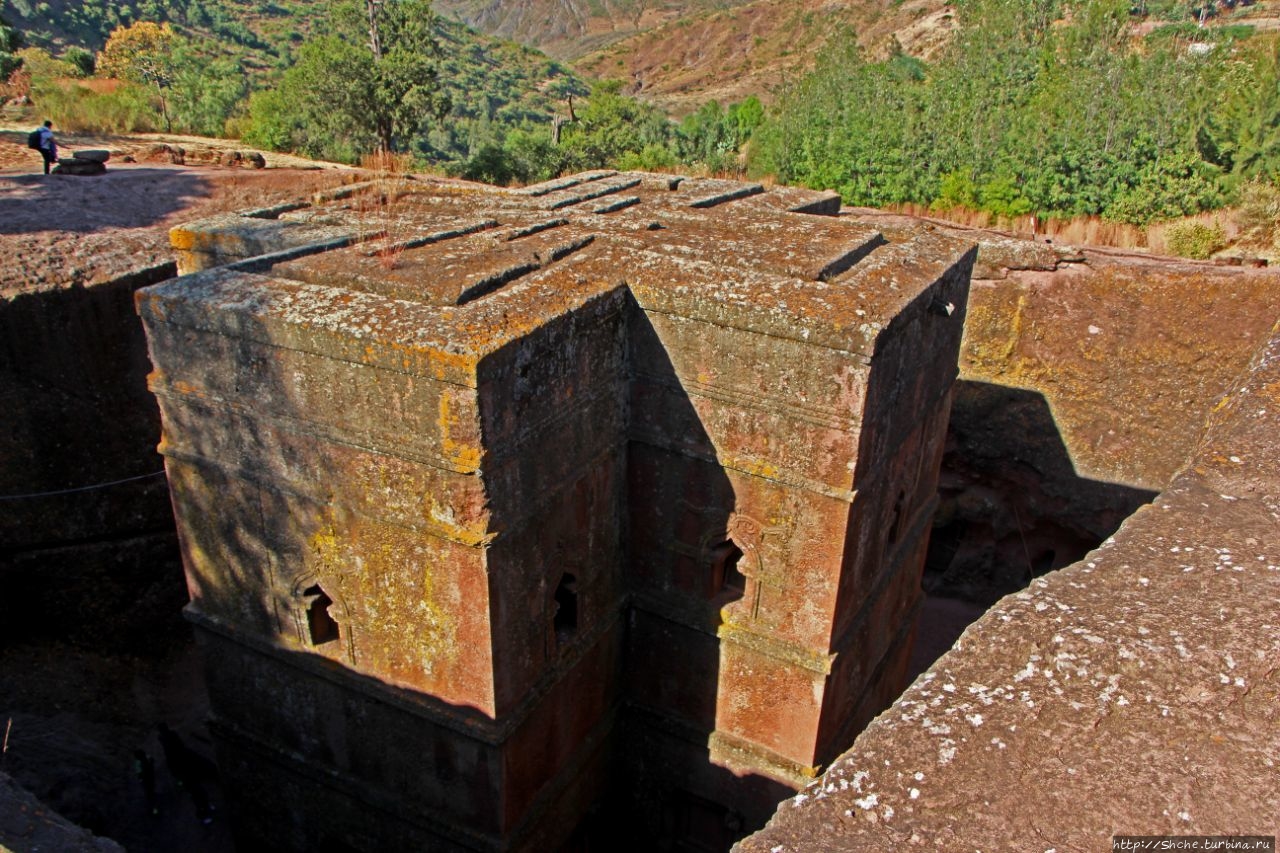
68	231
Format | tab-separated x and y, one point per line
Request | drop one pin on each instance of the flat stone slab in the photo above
96	155
76	166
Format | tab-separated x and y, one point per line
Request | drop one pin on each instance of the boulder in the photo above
997	254
255	160
232	158
162	153
97	155
76	166
203	155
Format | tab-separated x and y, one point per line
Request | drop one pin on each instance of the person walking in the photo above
48	147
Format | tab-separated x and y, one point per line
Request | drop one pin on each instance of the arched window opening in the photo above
724	569
321	627
566	604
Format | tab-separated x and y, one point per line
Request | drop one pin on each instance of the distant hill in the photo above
680	53
568	29
675	53
262	30
728	54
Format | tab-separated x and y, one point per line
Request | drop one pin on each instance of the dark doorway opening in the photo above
321	627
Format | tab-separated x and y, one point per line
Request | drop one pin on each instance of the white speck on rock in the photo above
867	802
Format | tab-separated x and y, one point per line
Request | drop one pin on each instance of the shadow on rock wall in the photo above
86	532
1012	506
685	561
382	681
93	648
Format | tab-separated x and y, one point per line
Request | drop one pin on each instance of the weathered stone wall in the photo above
1085	380
80	559
1130	354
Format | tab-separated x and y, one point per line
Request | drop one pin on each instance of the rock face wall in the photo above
494	502
87	546
1085	383
1086	377
1149	670
1131	354
28	824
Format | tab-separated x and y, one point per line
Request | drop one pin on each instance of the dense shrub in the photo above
75	107
1039	106
1194	239
1258	214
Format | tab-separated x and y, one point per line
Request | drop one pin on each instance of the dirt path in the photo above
137	145
65	231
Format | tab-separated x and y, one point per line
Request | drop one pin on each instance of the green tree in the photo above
1242	134
205	90
142	53
371	82
84	60
1036	106
611	126
10	42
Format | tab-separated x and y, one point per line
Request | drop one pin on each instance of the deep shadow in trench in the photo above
1011	508
93	648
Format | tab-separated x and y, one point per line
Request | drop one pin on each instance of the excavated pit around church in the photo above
87	690
95	652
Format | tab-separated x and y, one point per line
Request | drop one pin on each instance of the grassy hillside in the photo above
728	54
261	33
492	83
568	29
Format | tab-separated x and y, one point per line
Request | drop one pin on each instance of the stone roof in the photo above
718	247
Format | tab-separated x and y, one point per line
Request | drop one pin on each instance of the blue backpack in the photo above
33	139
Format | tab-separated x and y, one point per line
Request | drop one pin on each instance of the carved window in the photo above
565	619
321	627
724	569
